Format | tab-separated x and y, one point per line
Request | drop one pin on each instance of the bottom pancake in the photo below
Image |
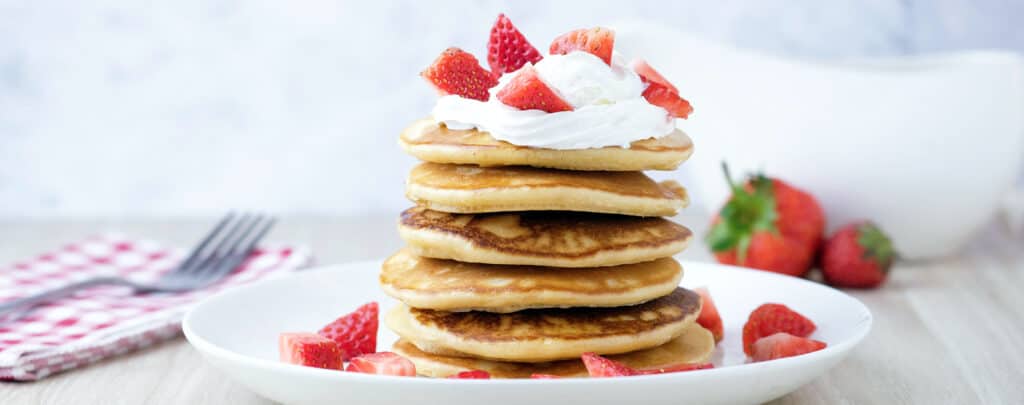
695	345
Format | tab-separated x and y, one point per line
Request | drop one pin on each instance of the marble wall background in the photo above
111	108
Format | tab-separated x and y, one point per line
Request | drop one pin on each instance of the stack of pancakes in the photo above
521	259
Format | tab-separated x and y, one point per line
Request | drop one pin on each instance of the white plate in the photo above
237	332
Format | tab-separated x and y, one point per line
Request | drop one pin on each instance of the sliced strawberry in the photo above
709	317
508	50
782	344
471	375
458	72
526	91
383	363
648	75
769	319
309	349
596	41
677	368
539	376
598	366
662	96
355	333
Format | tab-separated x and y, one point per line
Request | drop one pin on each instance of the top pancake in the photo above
433	142
474	189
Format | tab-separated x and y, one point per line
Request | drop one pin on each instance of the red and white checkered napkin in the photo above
106	321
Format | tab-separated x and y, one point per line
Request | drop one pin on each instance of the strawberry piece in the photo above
664	97
648	75
677	368
355	333
471	375
596	41
309	349
508	50
598	366
539	376
526	91
458	72
709	317
782	344
857	255
383	363
769	319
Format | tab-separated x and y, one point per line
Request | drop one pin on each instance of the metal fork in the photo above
221	251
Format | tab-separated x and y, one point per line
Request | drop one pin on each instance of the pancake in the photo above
432	142
694	346
541	238
449	285
474	189
540	335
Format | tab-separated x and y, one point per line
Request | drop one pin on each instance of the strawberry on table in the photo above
596	41
526	91
767	224
458	72
709	317
355	333
383	363
471	375
781	345
309	349
508	50
857	255
771	318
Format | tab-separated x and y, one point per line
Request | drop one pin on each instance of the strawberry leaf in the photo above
751	209
877	246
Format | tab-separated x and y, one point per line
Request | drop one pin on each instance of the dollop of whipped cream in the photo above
608	108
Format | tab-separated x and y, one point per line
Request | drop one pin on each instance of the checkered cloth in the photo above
106	321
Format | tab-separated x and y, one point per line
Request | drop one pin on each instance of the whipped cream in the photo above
608	109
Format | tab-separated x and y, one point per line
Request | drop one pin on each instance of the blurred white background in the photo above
191	107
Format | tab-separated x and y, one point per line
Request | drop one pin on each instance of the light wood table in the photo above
950	331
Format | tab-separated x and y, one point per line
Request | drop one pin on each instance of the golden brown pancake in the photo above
432	142
694	346
539	335
474	189
541	238
449	285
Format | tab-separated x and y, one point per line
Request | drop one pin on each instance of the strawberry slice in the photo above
383	363
663	96
648	75
355	333
782	345
458	72
596	41
539	376
677	368
471	375
508	50
598	366
526	91
309	349
709	317
769	319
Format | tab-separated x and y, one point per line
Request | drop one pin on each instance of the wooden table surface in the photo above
948	331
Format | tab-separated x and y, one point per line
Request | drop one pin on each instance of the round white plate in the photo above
237	332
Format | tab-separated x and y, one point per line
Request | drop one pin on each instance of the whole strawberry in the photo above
857	255
767	224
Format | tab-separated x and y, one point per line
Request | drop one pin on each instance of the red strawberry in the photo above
539	376
526	91
383	363
782	344
471	375
596	41
355	333
769	319
677	368
309	349
709	317
769	225
664	97
857	255
598	366
648	75
458	72
508	50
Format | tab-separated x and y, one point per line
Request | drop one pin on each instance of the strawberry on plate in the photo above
508	50
526	91
857	255
781	345
677	368
382	363
709	317
309	349
458	72
596	41
355	333
598	366
471	375
539	376
769	319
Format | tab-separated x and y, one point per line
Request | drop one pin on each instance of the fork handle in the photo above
25	303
